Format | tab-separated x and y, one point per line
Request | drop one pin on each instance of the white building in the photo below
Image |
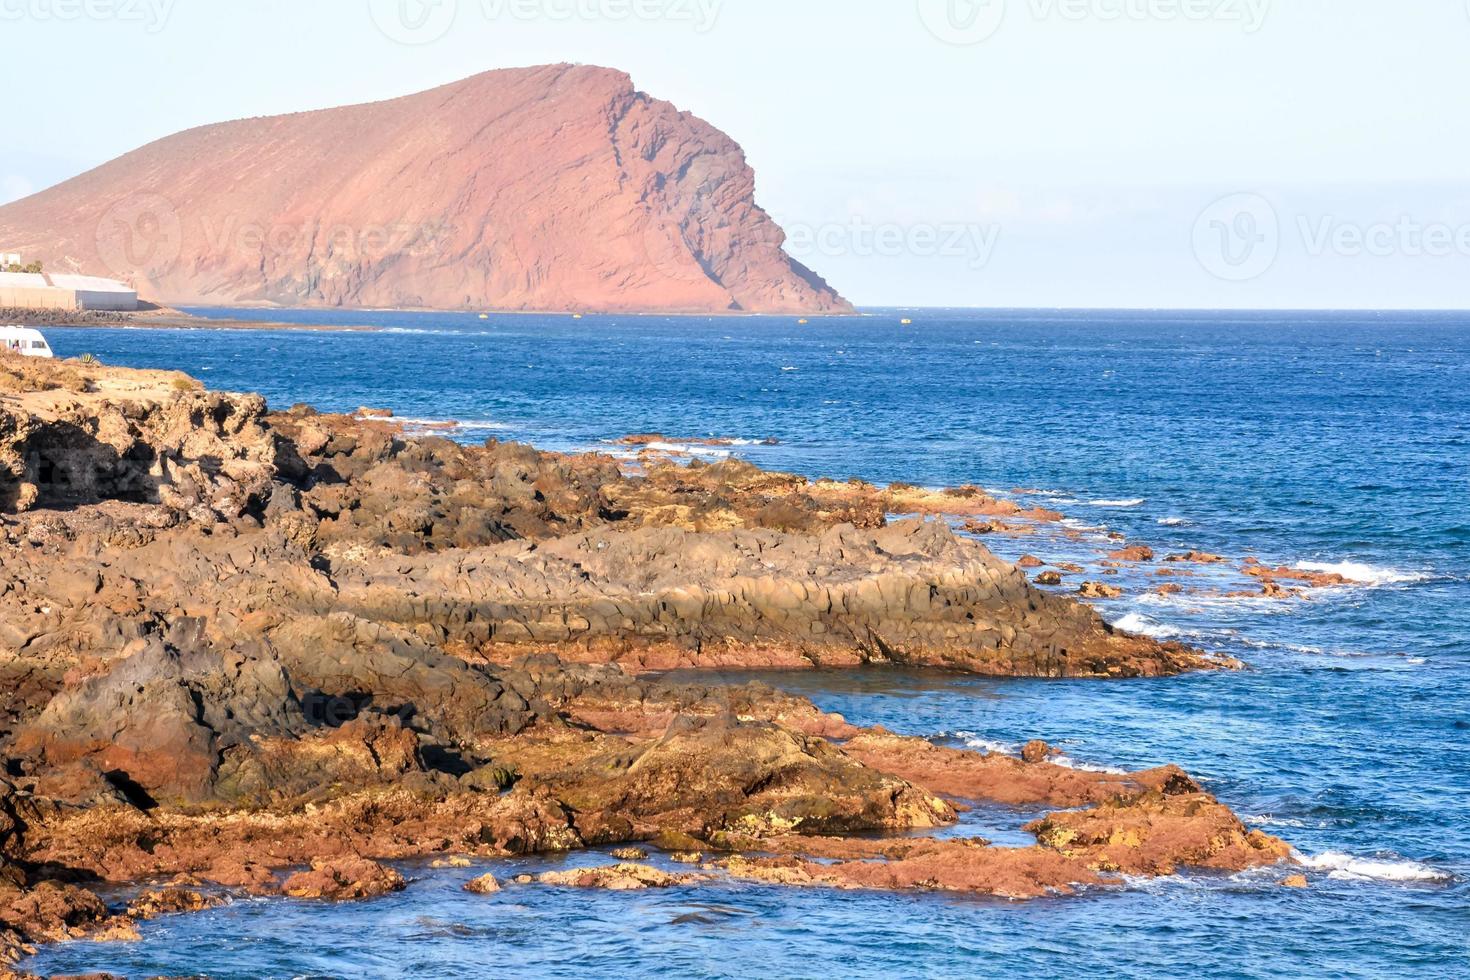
32	291
92	293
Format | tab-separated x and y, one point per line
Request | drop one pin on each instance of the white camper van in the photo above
24	341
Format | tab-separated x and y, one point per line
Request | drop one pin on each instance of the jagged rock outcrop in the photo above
553	188
663	597
144	437
235	644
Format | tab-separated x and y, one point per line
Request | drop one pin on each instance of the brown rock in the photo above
1157	833
344	879
1137	553
1099	590
626	854
676	840
619	877
55	912
171	901
703	774
1295	881
1035	751
998	778
930	865
1197	558
401	648
1312	580
483	885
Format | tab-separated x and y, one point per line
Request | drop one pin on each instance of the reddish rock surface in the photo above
967	775
619	877
551	188
236	643
486	884
344	879
1156	833
1099	590
1312	580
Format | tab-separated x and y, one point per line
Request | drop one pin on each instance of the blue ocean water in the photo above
1340	440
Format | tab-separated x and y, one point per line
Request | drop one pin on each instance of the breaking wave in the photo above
1345	867
1363	573
1143	626
451	425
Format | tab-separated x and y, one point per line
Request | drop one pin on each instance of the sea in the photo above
1324	441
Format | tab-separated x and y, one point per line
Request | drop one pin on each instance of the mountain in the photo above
552	188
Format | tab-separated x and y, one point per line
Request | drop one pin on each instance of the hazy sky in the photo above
1135	153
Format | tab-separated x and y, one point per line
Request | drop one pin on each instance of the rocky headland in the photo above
555	188
255	651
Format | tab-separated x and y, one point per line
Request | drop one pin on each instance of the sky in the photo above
987	153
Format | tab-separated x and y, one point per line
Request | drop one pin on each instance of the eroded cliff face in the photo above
553	188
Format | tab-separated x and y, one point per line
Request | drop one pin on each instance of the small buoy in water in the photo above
484	316
576	316
803	322
906	322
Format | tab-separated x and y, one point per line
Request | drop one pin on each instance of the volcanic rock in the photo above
390	648
483	885
620	877
344	879
1099	590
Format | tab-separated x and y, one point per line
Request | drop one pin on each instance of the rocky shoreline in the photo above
237	643
158	318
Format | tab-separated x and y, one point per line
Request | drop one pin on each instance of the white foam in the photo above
1173	521
974	741
687	449
449	425
1345	867
1362	573
1139	502
1143	626
1266	820
994	747
1067	762
1194	601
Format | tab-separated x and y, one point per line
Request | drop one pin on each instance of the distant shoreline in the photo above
160	319
165	318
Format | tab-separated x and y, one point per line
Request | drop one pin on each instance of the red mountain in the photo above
551	188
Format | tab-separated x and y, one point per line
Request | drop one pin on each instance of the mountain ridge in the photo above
555	188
